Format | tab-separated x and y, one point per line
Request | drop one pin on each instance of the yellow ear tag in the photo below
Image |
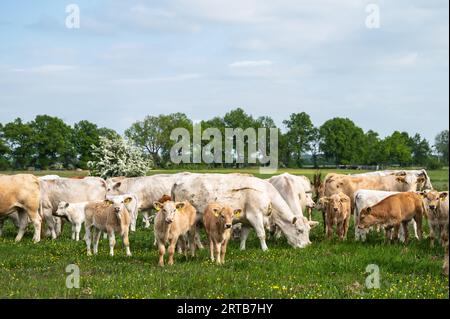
216	213
237	215
157	208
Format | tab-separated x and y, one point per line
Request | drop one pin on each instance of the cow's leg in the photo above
324	216
388	234
58	226
245	230
211	249
87	238
444	234
329	227
74	232
257	221
217	247
414	224
146	219
309	213
96	238
197	238
405	231
432	234
23	223
418	219
346	227
112	242
77	231
171	249
2	221
191	240
126	242
162	252
50	221
395	233
223	251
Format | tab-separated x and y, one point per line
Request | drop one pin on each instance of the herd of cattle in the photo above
224	204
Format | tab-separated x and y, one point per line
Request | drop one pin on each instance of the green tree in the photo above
342	141
86	135
421	150
4	151
300	134
396	149
152	135
53	142
372	148
441	146
19	138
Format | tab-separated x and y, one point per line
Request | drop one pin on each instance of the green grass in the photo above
325	269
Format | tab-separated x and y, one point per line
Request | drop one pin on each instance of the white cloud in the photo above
163	79
46	69
250	64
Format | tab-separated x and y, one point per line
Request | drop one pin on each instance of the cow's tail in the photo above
41	214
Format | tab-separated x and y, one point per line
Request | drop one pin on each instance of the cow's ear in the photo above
401	180
423	194
216	212
117	185
237	213
443	195
312	223
294	220
127	200
67	205
108	202
179	205
369	209
157	206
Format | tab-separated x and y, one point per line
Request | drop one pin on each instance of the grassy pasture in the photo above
325	269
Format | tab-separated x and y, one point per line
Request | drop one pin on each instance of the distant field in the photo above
325	269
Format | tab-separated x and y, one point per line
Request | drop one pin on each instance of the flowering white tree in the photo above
117	157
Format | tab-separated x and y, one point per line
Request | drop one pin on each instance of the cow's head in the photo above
366	219
309	201
225	215
168	209
336	203
432	199
302	228
118	203
62	210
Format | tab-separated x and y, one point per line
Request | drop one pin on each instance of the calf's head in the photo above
366	219
433	198
168	209
62	210
118	203
225	215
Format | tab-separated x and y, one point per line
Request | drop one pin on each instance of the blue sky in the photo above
133	58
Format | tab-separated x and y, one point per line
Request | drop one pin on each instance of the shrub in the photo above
117	157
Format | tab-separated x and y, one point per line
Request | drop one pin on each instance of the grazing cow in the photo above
218	221
393	211
257	198
69	190
172	221
367	198
110	216
338	212
296	191
420	177
437	212
20	194
75	214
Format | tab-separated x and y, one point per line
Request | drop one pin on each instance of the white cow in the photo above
367	198
54	191
147	189
256	197
296	191
419	177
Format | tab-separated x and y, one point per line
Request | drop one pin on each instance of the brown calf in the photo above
395	211
218	221
337	208
437	213
108	216
172	221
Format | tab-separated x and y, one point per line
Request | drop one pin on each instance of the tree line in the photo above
49	143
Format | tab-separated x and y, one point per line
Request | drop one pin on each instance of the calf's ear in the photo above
443	195
157	206
67	205
108	202
127	200
179	205
294	220
369	209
